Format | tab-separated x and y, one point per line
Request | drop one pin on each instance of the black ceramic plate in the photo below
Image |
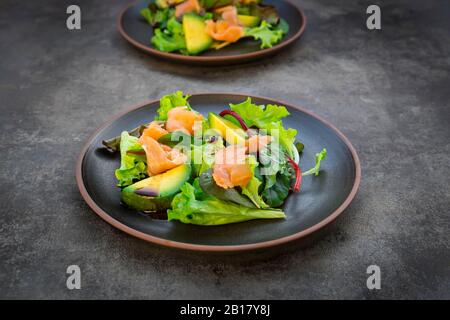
138	32
319	202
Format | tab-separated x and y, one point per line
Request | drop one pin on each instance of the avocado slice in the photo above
156	193
211	4
161	4
249	21
197	40
227	129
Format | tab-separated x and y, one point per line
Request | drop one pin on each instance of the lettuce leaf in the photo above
286	137
170	39
258	115
252	188
155	16
132	166
267	118
169	102
315	170
212	211
266	33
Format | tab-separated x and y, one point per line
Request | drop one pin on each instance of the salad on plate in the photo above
191	27
214	169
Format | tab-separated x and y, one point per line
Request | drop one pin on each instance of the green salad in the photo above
194	26
214	169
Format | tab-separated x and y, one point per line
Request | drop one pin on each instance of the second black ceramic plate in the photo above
138	32
319	202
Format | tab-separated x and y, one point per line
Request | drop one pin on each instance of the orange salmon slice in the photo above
160	158
187	6
181	118
230	169
154	130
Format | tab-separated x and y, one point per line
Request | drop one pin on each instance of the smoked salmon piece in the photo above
257	143
181	118
154	130
160	158
223	31
229	14
227	29
187	6
230	169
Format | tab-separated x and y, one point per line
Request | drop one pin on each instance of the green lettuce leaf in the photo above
169	102
155	16
267	34
170	39
212	211
286	137
132	166
315	170
252	188
258	115
267	118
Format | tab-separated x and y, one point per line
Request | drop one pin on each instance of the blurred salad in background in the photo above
193	26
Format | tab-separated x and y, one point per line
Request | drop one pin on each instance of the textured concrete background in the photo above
388	91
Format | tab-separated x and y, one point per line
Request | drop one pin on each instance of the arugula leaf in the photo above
170	39
315	170
169	102
252	188
187	208
267	118
268	35
132	166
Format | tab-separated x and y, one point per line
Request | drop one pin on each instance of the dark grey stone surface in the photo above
387	90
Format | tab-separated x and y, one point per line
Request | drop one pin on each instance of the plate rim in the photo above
217	248
210	59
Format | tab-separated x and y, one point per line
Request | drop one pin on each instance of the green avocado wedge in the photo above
197	39
156	193
227	129
249	21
